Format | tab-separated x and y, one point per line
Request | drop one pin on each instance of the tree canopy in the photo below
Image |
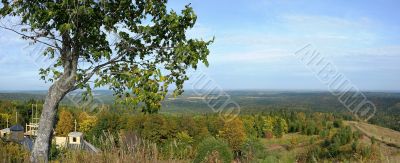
136	48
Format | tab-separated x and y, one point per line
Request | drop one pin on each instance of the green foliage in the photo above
310	128
338	123
108	122
269	124
184	138
159	129
259	125
324	133
12	152
211	149
146	37
252	149
56	153
343	145
179	137
249	126
280	127
343	136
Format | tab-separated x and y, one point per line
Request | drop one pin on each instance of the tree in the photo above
136	48
249	123
213	150
268	126
280	127
5	118
107	122
65	123
155	129
86	122
234	133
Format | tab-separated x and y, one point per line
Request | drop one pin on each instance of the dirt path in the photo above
384	135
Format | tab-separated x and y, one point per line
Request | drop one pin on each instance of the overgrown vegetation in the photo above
272	136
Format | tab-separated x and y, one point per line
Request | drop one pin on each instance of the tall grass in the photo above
126	148
12	152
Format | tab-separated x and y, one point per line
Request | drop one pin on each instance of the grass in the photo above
385	135
12	152
287	139
125	149
287	148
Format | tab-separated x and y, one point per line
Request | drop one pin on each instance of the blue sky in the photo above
256	40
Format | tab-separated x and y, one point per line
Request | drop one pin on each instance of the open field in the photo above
385	135
388	140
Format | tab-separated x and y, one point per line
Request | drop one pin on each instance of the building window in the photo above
74	139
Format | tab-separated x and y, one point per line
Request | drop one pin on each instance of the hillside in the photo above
250	101
388	140
382	134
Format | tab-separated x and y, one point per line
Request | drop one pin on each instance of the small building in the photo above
74	141
75	138
4	133
60	141
17	133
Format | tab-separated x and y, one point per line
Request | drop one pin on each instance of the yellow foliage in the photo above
65	123
269	123
233	132
86	122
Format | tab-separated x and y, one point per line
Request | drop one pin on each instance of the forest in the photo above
271	135
199	81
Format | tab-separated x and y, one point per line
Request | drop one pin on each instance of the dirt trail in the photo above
385	135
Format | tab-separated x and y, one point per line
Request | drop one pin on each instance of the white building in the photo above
75	138
5	132
61	142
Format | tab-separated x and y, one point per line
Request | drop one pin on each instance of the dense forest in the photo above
251	102
253	136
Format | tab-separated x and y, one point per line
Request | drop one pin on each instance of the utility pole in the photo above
32	113
36	114
75	125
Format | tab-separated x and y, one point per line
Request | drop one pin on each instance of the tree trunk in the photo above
55	94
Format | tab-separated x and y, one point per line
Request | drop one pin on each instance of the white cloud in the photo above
329	22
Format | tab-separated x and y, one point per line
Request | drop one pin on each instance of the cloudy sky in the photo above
256	41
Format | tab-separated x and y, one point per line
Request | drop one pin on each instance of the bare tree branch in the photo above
97	68
34	38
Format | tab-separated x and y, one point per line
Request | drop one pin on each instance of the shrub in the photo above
253	149
13	152
213	150
338	123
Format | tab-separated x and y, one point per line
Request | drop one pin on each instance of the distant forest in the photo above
252	102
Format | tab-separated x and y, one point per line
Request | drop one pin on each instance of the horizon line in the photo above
235	89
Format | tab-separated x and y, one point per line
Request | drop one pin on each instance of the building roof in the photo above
16	127
75	134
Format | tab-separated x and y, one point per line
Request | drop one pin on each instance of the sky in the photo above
255	42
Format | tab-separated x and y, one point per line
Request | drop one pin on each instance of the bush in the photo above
338	123
211	149
253	149
13	152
